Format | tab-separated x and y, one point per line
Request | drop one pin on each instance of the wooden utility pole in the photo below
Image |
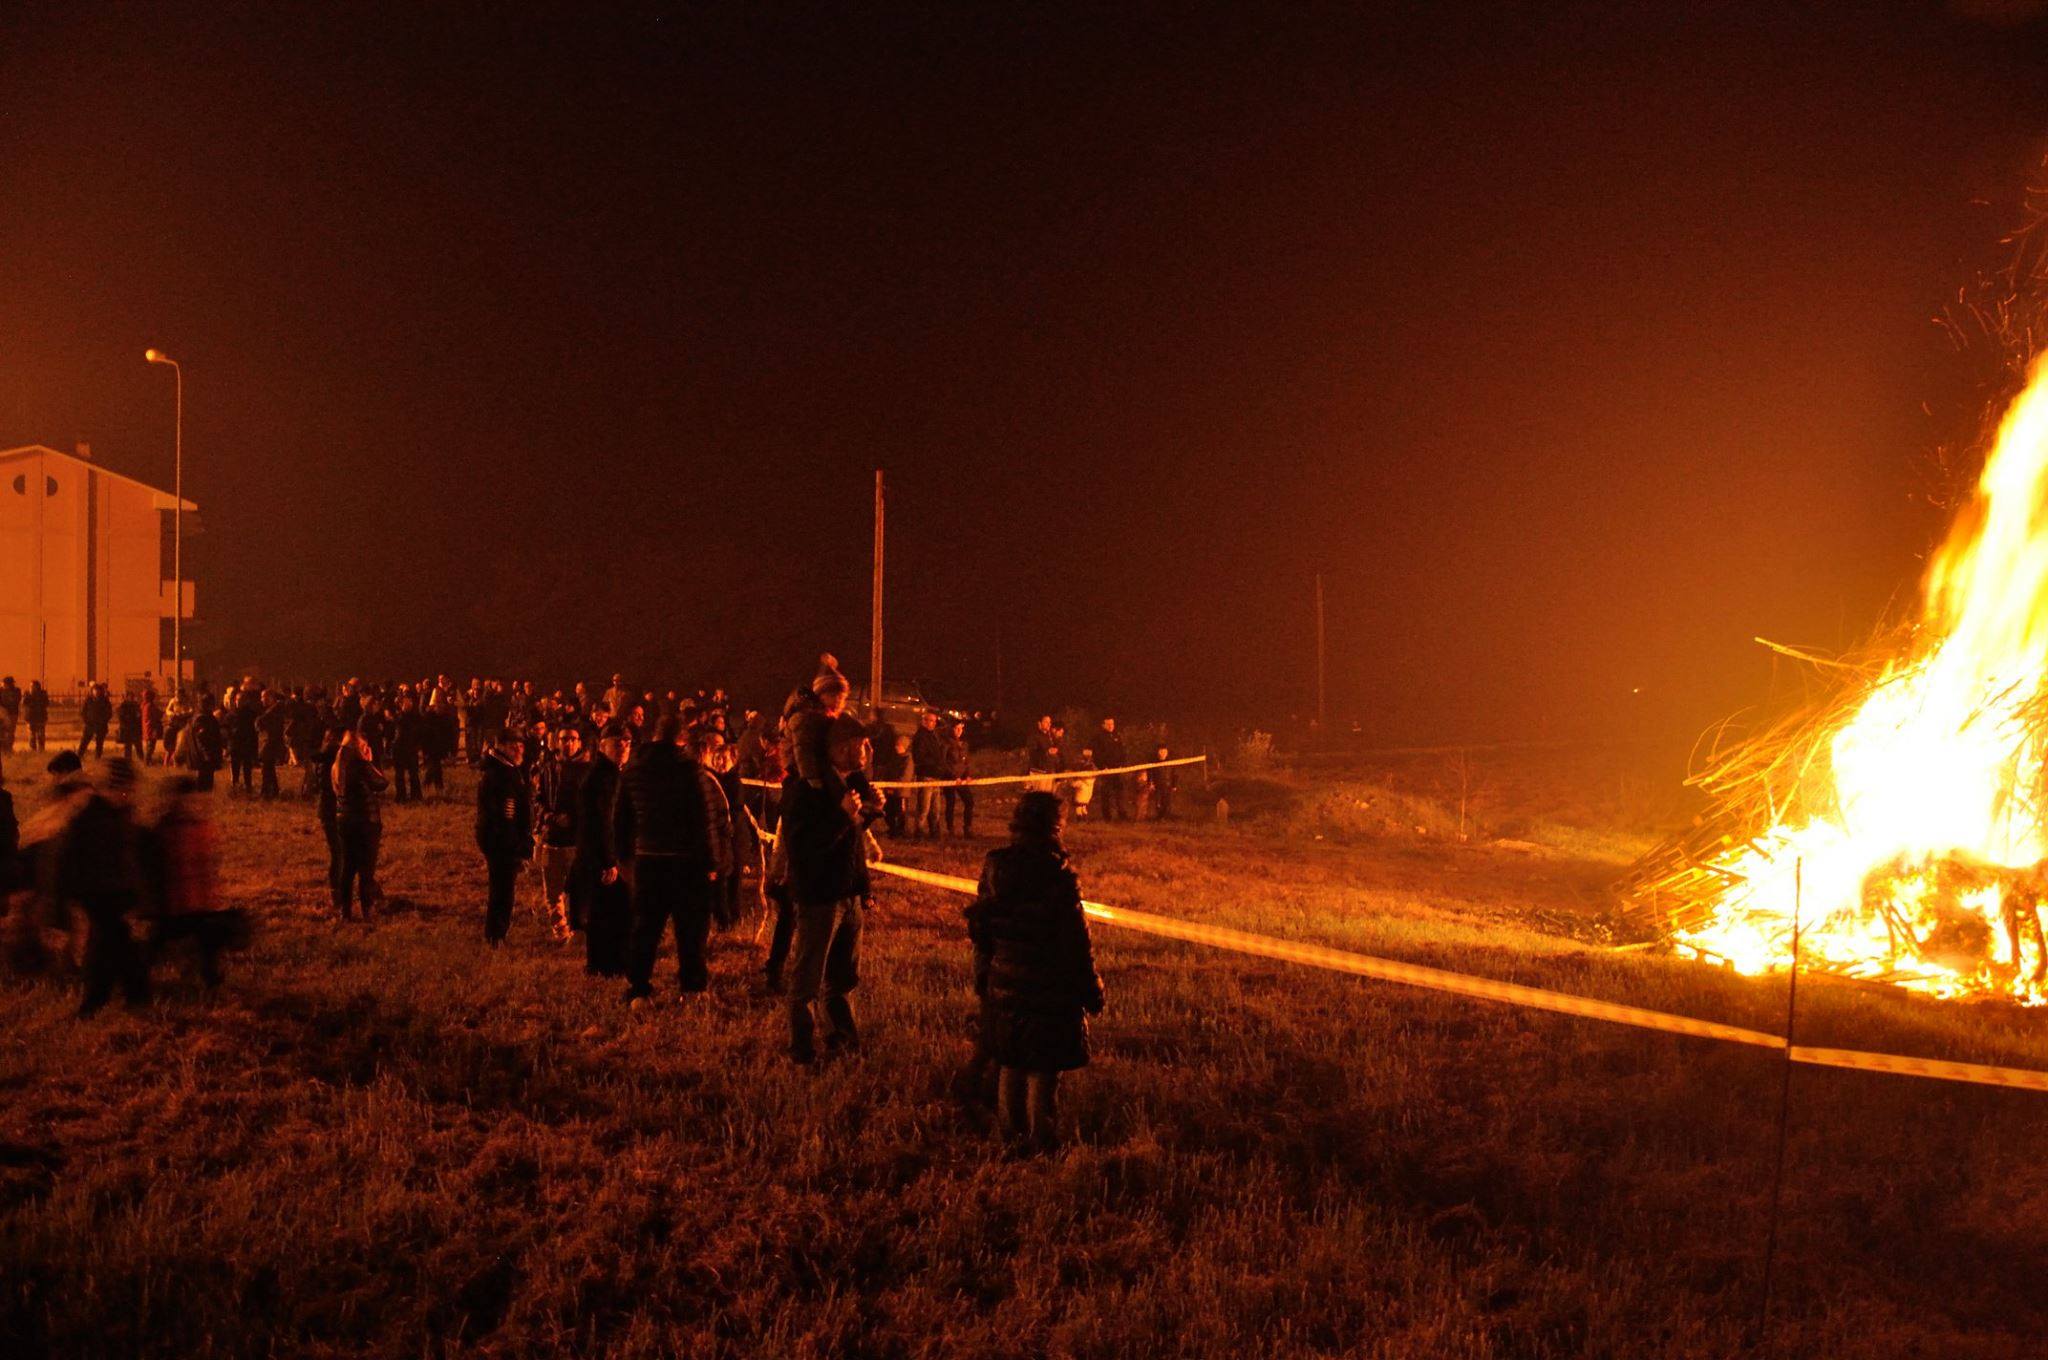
1322	712
875	635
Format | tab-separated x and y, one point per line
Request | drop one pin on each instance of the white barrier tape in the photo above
1513	993
985	781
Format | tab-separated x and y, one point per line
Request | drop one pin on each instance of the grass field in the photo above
384	1140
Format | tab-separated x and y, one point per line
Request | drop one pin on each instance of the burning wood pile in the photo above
1896	824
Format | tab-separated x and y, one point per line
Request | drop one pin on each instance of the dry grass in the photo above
384	1141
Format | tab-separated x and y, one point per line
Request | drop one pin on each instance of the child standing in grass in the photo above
1034	969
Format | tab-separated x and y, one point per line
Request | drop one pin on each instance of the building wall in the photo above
66	618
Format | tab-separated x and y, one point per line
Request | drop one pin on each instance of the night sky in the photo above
1575	347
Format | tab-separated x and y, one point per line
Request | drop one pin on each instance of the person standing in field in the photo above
359	818
407	735
957	767
320	766
272	748
93	716
35	711
1042	754
825	865
558	802
1110	790
504	828
1034	970
674	815
10	713
928	766
597	876
152	726
128	727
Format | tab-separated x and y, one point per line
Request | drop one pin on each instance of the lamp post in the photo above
157	356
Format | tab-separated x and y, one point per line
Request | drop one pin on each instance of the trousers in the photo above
670	888
503	872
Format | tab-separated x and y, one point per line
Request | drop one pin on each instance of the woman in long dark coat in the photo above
1034	969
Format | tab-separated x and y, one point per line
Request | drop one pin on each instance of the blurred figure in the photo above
1034	970
892	765
359	820
504	828
1081	792
244	740
1164	784
98	869
186	873
10	844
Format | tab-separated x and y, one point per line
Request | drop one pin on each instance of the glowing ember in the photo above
1922	853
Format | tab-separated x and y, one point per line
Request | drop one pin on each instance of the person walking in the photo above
1034	970
504	828
152	727
927	766
597	877
359	821
99	868
675	816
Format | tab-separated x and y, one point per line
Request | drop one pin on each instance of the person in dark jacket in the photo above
128	727
927	767
272	749
93	716
244	740
320	766
1034	969
674	816
35	711
597	877
1111	791
406	730
359	818
824	821
10	713
957	767
208	742
504	828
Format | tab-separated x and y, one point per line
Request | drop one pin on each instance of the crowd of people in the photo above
642	815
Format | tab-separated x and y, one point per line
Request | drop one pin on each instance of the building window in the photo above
166	548
21	485
164	634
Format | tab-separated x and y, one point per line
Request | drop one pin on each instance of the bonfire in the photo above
1895	828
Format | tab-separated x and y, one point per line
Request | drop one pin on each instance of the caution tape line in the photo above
1050	777
1512	993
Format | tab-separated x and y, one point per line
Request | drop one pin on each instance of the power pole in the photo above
1322	713
875	635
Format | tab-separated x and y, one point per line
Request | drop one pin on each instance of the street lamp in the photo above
157	356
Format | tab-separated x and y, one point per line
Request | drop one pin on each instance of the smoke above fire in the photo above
1908	839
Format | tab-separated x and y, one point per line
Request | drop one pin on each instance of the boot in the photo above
802	1048
845	1035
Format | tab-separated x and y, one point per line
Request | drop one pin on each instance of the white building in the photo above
86	584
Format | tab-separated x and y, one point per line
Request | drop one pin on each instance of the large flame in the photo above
1925	865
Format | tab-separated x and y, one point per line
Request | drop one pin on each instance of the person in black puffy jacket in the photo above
504	828
673	814
1034	969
